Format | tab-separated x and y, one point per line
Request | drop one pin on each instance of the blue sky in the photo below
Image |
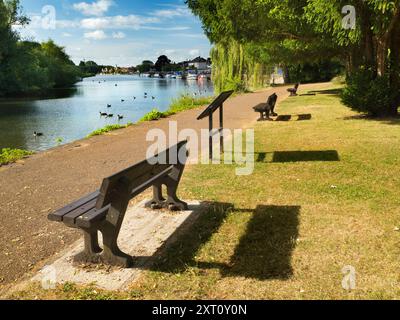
117	32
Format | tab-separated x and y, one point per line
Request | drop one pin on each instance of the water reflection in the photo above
73	113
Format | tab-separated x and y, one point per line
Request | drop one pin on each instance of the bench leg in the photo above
112	254
173	202
261	116
158	201
92	248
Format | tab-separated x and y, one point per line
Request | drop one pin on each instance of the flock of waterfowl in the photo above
119	116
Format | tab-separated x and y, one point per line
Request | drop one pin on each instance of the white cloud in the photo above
67	35
194	52
118	35
178	11
64	24
166	28
117	22
190	35
169	51
98	8
96	35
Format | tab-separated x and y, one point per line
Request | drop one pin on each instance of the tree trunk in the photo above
368	36
381	55
395	67
286	75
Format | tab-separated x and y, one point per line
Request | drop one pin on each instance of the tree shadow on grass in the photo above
365	117
263	252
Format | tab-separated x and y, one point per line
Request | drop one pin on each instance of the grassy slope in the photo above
295	224
8	155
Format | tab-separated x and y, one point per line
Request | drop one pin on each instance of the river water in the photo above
72	114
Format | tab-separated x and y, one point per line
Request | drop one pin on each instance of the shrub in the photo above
153	116
8	155
186	102
370	94
236	85
108	128
315	72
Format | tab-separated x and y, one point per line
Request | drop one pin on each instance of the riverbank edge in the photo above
153	115
175	107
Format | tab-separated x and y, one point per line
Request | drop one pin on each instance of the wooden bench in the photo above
267	109
104	210
293	91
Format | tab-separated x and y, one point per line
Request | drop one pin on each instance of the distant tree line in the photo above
163	64
28	67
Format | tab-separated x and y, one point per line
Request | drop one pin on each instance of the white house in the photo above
199	63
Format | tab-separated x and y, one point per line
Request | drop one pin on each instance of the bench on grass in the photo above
293	91
267	109
104	210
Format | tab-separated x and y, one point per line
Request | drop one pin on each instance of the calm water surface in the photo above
75	113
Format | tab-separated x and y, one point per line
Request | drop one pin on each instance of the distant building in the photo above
277	76
199	63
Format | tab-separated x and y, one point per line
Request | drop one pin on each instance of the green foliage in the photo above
238	67
184	102
29	67
162	62
8	155
89	68
322	71
187	102
146	66
107	129
367	93
153	115
299	32
59	141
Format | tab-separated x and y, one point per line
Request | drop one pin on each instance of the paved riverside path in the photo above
31	189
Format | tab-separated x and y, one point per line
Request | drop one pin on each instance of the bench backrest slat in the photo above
140	176
272	99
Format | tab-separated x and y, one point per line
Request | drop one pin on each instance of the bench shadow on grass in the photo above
263	252
335	92
298	156
297	117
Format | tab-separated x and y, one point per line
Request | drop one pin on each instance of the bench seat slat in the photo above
59	214
91	217
70	218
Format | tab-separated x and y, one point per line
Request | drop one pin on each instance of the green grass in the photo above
108	128
184	102
324	195
8	155
153	115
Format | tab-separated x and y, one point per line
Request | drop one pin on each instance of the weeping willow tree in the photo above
236	67
363	34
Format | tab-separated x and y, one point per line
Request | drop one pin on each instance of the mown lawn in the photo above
324	195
